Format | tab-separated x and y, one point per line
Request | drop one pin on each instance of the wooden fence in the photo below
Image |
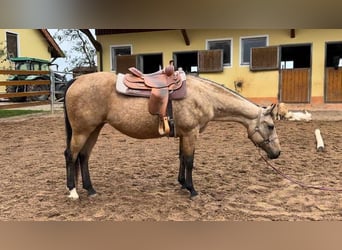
49	92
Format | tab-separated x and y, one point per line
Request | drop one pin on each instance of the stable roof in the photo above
54	49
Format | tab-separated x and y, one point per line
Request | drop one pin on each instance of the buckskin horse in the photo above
91	101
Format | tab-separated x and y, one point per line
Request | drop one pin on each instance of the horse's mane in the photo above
223	87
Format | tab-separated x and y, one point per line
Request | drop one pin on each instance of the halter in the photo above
257	130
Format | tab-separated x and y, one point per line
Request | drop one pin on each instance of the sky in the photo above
62	64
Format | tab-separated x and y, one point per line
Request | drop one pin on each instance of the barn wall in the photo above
262	86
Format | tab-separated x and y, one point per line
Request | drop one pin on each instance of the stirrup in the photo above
164	128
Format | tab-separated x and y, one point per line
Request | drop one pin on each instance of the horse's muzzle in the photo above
274	155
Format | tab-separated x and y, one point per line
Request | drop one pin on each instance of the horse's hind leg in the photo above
71	173
84	159
73	160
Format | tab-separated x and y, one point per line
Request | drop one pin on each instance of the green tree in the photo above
81	52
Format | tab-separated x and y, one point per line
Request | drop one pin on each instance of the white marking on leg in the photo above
73	194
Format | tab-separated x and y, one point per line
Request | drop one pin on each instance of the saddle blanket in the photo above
123	89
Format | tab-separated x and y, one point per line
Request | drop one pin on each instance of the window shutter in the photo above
210	61
123	62
265	58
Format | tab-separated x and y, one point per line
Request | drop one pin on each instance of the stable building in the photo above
301	67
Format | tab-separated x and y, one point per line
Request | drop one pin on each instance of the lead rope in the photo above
289	178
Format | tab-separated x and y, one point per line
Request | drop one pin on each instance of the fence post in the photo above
52	91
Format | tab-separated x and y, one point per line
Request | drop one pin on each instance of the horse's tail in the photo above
68	130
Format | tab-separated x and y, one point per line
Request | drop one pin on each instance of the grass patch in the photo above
17	112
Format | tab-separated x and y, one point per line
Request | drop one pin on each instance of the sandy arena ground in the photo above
136	181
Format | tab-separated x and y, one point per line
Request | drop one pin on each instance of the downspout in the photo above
101	59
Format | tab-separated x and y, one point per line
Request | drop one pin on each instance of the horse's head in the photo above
262	132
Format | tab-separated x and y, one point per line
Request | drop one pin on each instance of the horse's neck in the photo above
230	106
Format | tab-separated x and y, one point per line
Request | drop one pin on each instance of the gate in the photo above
333	85
295	85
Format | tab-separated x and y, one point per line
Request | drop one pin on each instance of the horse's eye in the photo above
271	127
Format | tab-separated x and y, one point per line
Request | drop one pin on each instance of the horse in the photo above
91	101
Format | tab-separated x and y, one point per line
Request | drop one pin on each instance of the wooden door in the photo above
333	85
295	85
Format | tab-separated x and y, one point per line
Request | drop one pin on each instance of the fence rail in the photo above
23	94
27	92
21	82
23	104
24	72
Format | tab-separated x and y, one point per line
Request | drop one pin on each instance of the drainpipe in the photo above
101	59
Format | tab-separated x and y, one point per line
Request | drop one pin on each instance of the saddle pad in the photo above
123	89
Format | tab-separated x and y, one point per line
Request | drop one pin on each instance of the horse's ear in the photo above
270	108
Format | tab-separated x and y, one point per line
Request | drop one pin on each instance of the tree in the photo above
80	52
3	52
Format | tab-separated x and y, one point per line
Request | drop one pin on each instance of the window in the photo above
12	44
119	50
150	63
187	60
44	67
202	61
223	44
146	63
22	66
36	66
247	43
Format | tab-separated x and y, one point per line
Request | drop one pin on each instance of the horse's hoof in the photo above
193	194
73	198
91	192
92	195
73	194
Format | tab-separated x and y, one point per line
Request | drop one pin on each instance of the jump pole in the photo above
319	140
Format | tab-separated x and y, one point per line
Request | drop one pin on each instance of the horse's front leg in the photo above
187	153
189	163
181	173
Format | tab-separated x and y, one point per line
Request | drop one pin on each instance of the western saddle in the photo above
161	87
